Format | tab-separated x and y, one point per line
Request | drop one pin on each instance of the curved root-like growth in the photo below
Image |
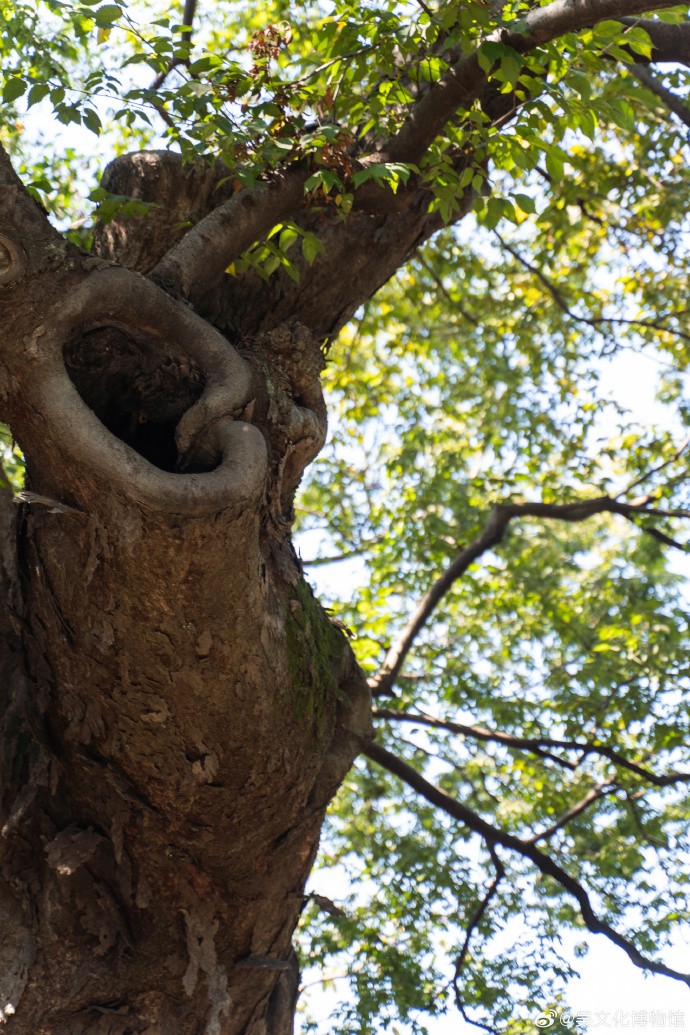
11	265
210	433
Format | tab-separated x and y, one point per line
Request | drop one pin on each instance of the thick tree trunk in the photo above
177	709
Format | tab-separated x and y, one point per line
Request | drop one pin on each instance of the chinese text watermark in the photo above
588	1020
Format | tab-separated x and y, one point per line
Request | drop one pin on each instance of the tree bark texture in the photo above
177	708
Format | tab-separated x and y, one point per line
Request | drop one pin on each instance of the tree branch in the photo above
543	862
651	471
494	531
474	732
474	923
28	243
191	267
463	83
595	793
559	299
537	745
186	37
666	96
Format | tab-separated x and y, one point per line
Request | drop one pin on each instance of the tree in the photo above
178	710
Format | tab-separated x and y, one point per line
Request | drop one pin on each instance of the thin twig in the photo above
444	291
474	923
650	472
474	732
589	321
601	790
186	37
426	9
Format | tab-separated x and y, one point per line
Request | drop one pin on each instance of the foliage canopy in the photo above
477	377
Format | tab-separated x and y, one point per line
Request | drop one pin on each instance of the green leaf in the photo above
311	247
107	15
13	89
524	203
92	121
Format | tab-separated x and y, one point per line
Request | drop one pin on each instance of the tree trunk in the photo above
177	709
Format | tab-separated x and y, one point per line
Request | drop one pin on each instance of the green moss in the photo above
315	650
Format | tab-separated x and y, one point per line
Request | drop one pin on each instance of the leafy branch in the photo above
465	80
492	535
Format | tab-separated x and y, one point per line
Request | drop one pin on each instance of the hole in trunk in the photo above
135	388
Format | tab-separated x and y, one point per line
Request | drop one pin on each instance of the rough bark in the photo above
184	710
358	257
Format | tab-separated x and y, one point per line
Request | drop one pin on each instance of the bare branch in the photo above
493	534
474	732
590	321
444	291
186	37
347	555
631	802
674	103
595	793
538	745
544	863
193	266
474	923
426	9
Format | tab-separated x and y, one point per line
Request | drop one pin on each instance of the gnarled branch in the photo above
196	263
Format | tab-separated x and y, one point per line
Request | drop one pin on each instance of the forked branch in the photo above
528	850
492	535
